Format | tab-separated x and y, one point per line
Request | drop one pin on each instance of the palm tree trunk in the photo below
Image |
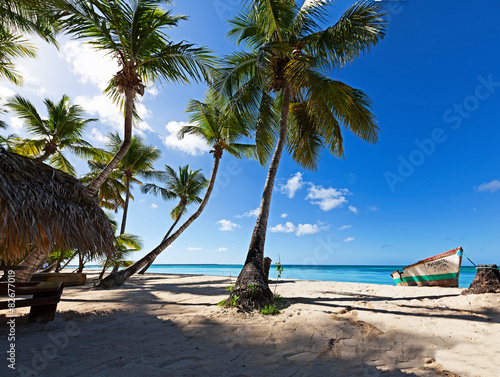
81	264
141	272
69	260
125	206
127	137
58	261
44	156
32	261
253	270
119	277
104	268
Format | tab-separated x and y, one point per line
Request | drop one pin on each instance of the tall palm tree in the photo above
289	60
185	186
216	121
62	129
137	162
133	32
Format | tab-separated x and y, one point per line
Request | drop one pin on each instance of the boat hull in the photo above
440	270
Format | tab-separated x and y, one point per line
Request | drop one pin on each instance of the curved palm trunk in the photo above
253	270
164	239
33	262
69	260
127	137
125	206
44	156
119	277
104	268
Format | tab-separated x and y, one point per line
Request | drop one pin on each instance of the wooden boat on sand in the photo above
440	270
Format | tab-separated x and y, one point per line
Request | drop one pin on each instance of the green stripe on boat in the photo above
427	277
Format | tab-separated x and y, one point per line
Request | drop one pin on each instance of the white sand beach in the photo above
170	325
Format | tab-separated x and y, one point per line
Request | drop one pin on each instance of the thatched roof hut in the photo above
45	207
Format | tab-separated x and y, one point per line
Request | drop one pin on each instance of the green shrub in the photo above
269	310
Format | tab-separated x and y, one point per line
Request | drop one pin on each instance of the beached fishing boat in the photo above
440	270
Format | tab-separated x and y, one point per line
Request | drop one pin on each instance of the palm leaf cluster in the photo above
288	47
185	186
134	34
63	129
43	206
18	18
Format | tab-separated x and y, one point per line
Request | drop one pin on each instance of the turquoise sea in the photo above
354	274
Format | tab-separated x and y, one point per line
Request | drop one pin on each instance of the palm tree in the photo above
133	32
110	194
138	161
62	129
125	244
217	122
18	18
289	62
185	186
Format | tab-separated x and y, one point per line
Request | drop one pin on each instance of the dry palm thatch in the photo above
44	207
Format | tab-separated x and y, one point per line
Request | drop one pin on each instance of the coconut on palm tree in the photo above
289	61
216	121
62	130
133	33
185	186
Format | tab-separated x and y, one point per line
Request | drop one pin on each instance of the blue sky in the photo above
430	184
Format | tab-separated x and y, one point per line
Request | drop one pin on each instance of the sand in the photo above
170	325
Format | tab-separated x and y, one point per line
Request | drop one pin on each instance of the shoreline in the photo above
465	278
165	324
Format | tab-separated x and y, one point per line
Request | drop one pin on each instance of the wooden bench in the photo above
44	298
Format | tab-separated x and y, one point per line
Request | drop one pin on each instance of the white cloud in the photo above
102	107
222	249
327	198
153	206
373	208
97	135
353	210
16	123
193	248
153	91
344	227
284	215
492	186
90	65
190	144
227	225
143	111
6	92
287	228
292	185
299	230
303	229
251	213
349	239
